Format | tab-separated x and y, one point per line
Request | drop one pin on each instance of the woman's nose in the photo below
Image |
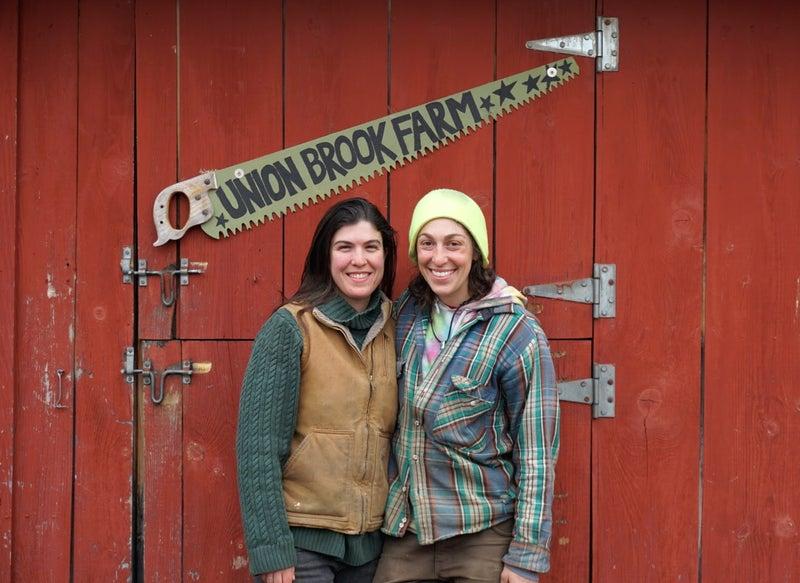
439	255
358	257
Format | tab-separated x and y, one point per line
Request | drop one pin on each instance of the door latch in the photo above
148	378
603	44
166	275
600	290
598	391
186	369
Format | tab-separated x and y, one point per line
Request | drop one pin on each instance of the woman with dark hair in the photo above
318	407
474	452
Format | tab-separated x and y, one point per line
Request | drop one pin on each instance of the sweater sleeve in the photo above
267	418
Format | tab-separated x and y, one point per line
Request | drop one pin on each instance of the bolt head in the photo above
590	52
562	44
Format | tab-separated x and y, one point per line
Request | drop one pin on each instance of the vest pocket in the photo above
380	485
317	478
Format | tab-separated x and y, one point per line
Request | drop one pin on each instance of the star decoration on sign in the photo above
504	91
532	83
548	80
566	67
221	220
486	103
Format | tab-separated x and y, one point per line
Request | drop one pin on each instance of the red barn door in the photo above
258	77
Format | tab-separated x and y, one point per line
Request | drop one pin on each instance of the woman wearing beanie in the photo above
473	456
318	407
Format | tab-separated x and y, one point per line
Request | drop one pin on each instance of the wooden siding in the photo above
682	168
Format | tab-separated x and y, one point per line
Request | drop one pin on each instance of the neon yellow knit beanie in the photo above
444	203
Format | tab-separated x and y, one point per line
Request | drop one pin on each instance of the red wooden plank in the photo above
8	244
230	103
438	48
344	44
649	205
751	504
103	497
46	290
156	148
545	166
210	497
569	549
160	475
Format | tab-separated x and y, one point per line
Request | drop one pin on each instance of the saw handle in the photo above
196	190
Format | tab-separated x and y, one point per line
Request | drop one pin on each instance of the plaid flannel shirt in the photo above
477	437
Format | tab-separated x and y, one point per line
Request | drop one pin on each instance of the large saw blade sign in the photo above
226	201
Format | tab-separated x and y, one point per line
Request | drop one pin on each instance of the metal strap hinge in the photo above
598	391
603	44
166	275
600	290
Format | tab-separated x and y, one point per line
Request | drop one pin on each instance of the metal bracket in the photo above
602	43
148	377
186	370
168	273
599	391
600	290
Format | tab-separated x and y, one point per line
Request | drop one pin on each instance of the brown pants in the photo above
461	559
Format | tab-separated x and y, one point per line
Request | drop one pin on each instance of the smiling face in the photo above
357	258
444	256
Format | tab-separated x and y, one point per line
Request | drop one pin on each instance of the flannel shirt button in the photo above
405	488
416	422
474	402
415	457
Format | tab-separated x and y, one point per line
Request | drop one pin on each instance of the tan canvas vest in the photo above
335	476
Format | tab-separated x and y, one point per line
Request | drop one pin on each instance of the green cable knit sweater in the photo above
267	416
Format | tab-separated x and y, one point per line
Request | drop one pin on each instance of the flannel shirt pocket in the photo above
460	420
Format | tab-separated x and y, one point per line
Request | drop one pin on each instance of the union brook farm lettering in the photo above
331	158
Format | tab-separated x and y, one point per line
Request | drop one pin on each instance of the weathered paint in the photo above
9	38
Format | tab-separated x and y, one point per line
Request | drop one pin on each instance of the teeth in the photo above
359	276
441	273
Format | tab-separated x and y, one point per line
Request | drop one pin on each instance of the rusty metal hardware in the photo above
148	377
60	389
600	290
186	369
166	275
598	391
